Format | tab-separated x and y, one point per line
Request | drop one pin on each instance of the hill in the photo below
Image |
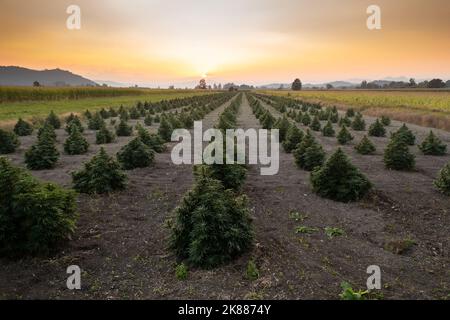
17	76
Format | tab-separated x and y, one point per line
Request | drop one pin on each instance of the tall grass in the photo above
11	111
16	94
429	108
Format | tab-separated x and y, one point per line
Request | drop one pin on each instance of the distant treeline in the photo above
15	94
432	84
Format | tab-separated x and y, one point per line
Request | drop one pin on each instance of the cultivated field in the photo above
30	103
429	108
304	245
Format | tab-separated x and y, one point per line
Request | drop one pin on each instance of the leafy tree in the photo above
365	147
34	217
344	136
405	134
338	179
377	129
123	129
436	83
136	154
315	124
358	123
443	180
299	117
53	120
100	175
43	155
397	156
433	146
8	142
76	144
165	130
212	226
328	130
23	128
104	136
309	154
293	138
297	85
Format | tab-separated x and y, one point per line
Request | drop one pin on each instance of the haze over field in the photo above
154	43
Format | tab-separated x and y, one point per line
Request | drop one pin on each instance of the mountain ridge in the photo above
19	76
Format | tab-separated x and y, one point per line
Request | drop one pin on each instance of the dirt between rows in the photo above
121	240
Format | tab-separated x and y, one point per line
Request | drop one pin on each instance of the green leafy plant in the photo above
377	129
385	121
338	179
283	125
74	121
8	142
76	144
333	232
53	120
252	272
305	230
315	124
165	130
433	146
96	122
397	155
405	135
349	294
123	129
344	136
365	147
306	120
443	180
181	272
293	138
358	123
23	128
309	154
100	175
328	130
43	155
135	154
148	120
34	217
104	136
345	121
212	226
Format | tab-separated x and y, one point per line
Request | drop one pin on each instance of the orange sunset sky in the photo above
153	43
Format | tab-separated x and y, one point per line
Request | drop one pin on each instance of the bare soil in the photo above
121	240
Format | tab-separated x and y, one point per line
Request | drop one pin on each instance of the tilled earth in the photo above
121	240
